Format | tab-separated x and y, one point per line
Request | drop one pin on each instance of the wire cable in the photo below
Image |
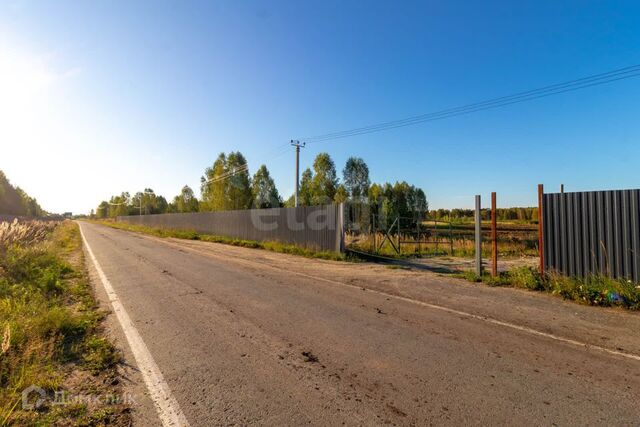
594	80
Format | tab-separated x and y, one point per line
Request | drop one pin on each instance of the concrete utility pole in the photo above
297	144
478	236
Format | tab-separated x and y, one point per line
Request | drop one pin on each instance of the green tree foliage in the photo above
148	202
290	202
515	214
213	185
238	192
124	204
325	180
341	195
29	204
102	211
186	201
265	193
14	201
119	205
355	176
306	188
226	184
398	200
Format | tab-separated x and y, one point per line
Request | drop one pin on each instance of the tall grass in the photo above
509	245
48	316
592	290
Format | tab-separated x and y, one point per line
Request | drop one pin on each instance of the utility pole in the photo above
478	236
297	144
494	236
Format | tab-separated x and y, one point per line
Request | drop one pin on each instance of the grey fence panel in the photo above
311	227
596	232
635	233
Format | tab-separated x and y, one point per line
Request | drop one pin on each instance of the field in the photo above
515	240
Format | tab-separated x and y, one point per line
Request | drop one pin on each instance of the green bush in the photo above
526	277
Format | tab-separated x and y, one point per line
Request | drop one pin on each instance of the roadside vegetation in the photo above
51	333
514	215
228	185
14	201
192	235
457	239
593	290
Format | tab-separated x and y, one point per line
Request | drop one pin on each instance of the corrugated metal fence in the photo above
595	232
311	227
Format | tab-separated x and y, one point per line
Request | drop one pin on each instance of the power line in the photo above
558	88
627	72
241	168
279	151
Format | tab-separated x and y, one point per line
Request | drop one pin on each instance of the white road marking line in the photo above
167	406
429	305
484	319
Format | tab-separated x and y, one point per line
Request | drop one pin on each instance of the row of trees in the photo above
227	185
14	201
321	185
143	202
528	214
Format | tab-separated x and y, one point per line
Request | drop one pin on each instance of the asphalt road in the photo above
245	336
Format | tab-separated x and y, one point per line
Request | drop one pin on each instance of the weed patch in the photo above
593	290
49	322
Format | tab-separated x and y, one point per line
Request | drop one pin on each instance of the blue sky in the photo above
103	97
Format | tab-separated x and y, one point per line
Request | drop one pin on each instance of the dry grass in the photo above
50	327
459	247
23	233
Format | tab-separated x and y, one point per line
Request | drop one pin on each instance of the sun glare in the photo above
22	80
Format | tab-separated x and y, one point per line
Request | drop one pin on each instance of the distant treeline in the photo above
14	201
529	214
227	185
